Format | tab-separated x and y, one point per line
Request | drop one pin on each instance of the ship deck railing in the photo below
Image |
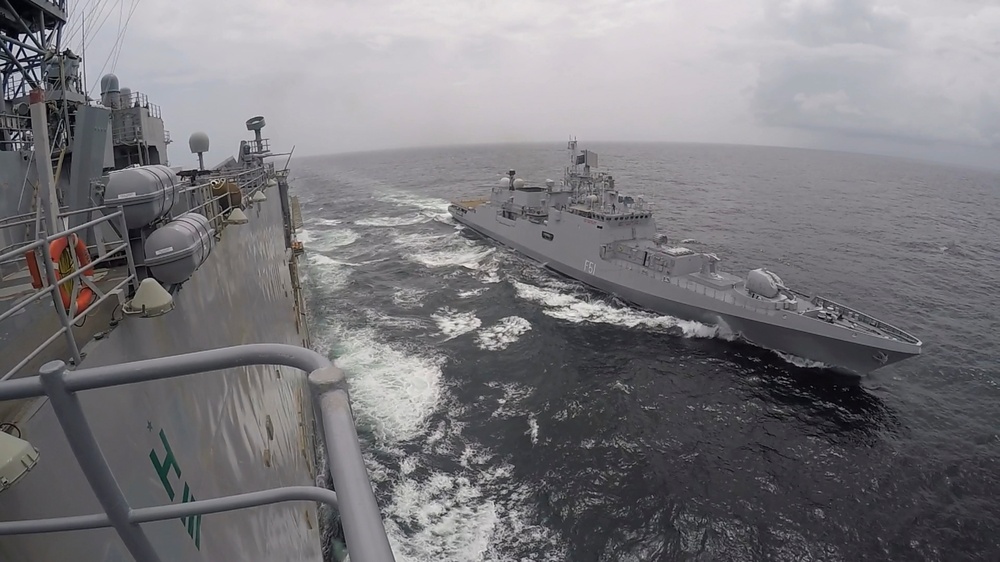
886	330
606	213
201	199
470	204
15	132
139	99
259	147
52	283
861	321
14	258
364	529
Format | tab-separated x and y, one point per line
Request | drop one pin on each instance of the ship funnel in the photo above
198	142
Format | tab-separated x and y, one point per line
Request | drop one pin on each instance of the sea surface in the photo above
508	413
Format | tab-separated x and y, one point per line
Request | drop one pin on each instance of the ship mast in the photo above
42	90
582	184
32	57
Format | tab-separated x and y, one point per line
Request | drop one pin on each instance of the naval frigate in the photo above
586	229
156	379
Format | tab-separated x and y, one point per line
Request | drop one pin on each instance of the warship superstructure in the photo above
586	229
155	372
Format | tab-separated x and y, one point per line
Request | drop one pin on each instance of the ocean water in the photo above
511	414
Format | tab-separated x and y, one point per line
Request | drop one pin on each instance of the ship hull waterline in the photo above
845	357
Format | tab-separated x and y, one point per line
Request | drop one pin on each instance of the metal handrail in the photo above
869	320
53	284
180	510
248	181
363	527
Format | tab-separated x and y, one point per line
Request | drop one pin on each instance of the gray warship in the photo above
156	380
588	230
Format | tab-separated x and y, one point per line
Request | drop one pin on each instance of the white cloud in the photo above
867	68
352	74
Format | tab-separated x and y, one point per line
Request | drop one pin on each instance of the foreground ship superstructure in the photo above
587	229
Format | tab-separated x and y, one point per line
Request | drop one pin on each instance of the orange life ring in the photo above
64	262
31	259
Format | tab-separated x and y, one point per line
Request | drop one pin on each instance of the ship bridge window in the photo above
547	235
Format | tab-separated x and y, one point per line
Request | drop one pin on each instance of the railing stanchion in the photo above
364	530
128	249
363	526
88	453
56	291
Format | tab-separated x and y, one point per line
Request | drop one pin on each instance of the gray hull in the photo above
570	245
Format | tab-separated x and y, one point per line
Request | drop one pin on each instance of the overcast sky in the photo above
916	78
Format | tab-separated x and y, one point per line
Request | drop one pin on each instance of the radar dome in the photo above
550	183
198	142
109	83
518	183
125	97
504	182
109	91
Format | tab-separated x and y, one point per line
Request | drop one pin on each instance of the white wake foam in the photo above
394	387
509	405
330	274
575	309
431	208
453	323
378	318
471	293
422	241
406	220
489	270
474	514
469	257
327	240
408	297
500	335
439	250
802	361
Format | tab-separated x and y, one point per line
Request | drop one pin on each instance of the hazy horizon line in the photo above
583	144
